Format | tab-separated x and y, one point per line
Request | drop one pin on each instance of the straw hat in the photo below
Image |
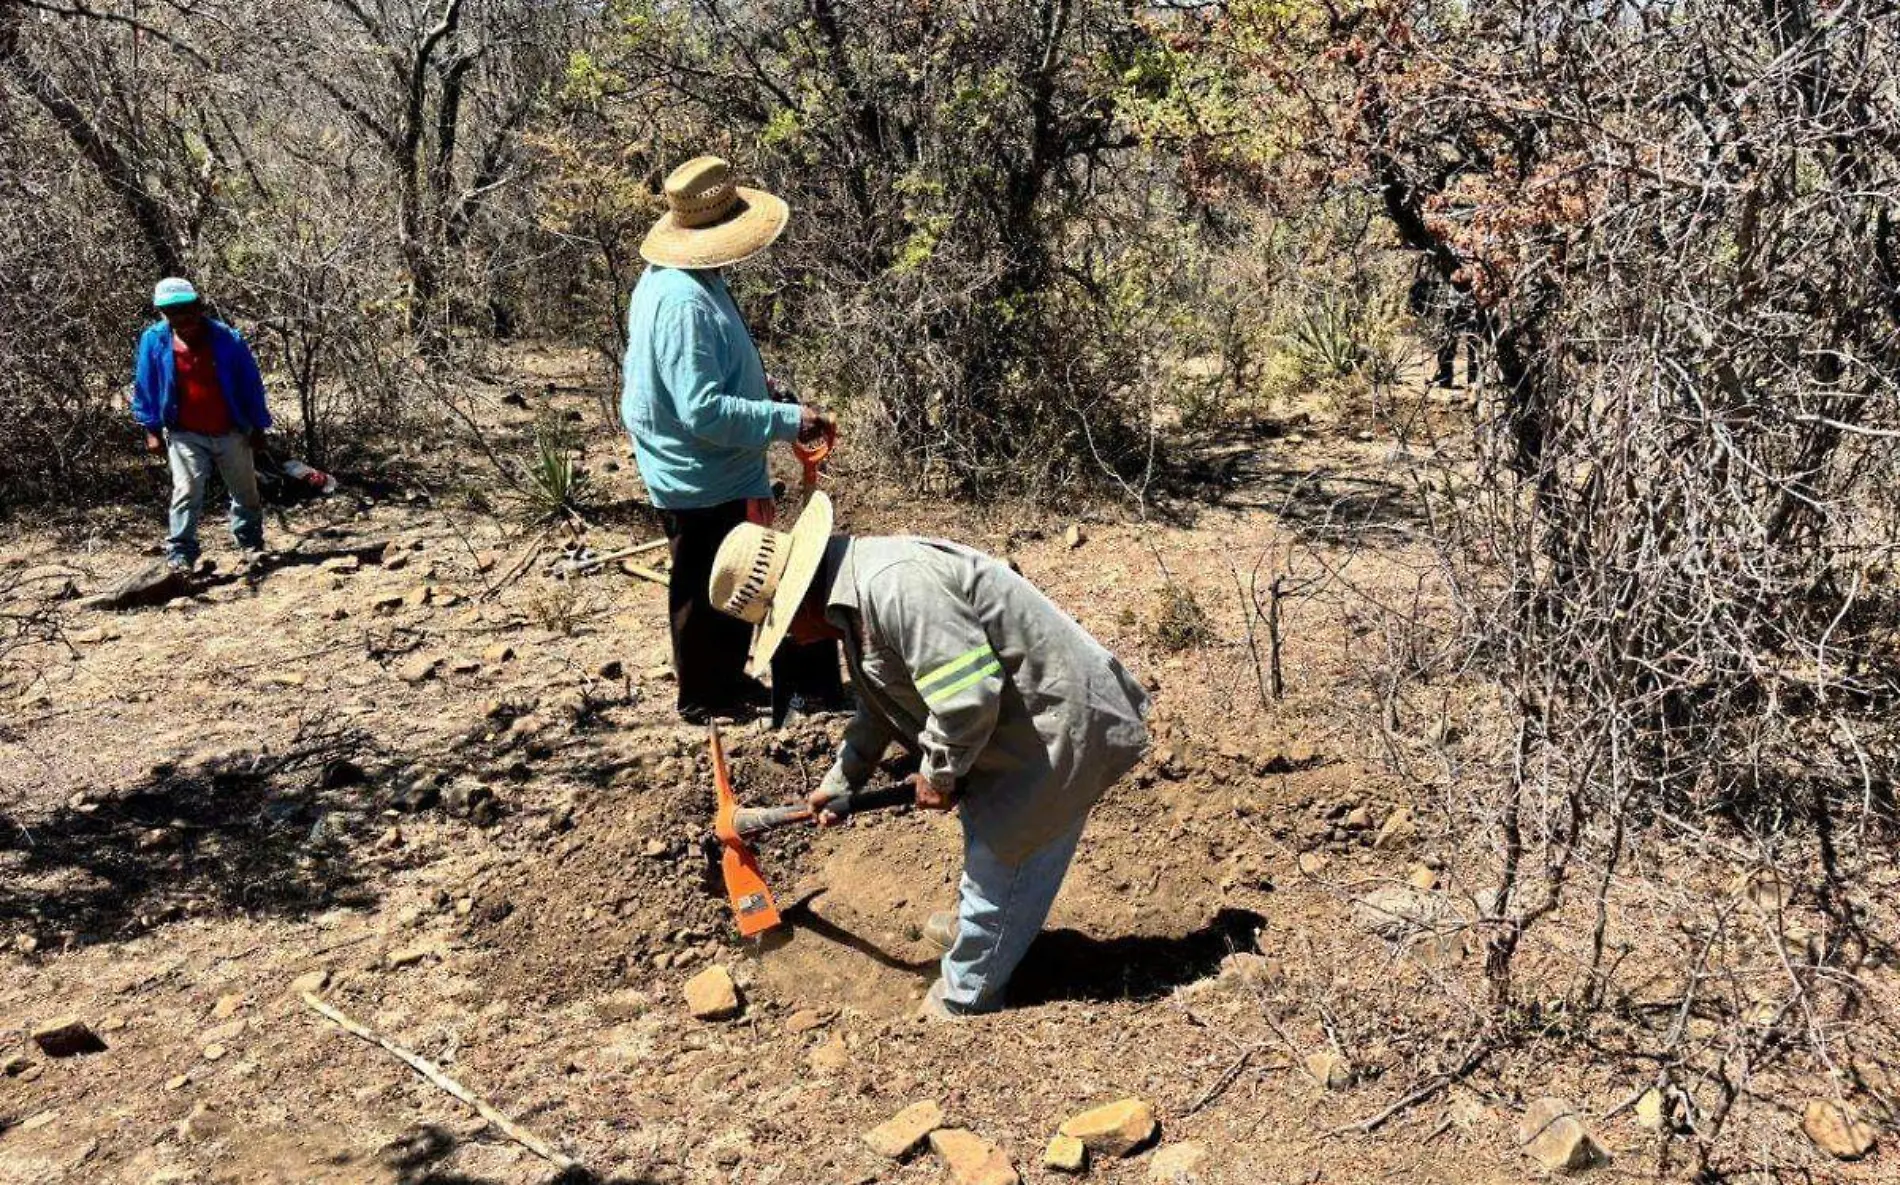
709	221
761	575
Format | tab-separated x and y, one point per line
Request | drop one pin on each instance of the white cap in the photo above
172	290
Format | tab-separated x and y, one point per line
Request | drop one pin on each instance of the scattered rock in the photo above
1764	887
1177	1164
1065	1154
1422	878
419	596
418	670
1330	1070
1358	818
499	653
17	1063
1075	536
416	790
465	796
1116	1129
227	1006
805	1020
25	944
711	995
1838	1130
897	1136
178	1083
67	1036
39	1121
409	956
385	602
340	772
1659	1110
1312	863
311	981
613	669
213	1052
1398	830
831	1057
344	564
971	1159
202	1124
1556	1139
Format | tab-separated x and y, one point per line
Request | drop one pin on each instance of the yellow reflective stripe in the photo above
953	666
943	693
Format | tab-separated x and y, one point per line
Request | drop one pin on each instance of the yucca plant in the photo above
552	486
1329	337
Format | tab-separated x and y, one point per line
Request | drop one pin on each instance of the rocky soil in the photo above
444	792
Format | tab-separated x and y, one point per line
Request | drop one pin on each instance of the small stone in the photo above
656	849
67	1036
341	772
311	981
343	563
202	1124
1422	878
26	944
711	995
1653	1111
831	1057
1556	1139
1177	1164
1838	1130
1764	888
418	670
39	1121
1330	1070
227	1006
805	1020
409	956
16	1064
1065	1154
897	1136
613	669
1075	536
465	796
213	1052
1397	830
1115	1129
385	602
499	653
178	1083
971	1159
419	596
1358	818
1312	863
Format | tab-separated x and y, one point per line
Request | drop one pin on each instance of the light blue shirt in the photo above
693	393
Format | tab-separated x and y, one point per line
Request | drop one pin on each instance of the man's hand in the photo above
813	424
816	800
154	443
929	798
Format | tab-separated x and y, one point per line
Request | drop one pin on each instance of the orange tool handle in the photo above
812	455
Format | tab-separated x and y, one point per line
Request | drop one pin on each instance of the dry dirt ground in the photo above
511	887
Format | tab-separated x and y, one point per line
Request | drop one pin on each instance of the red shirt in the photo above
201	406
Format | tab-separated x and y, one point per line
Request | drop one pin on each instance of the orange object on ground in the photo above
751	900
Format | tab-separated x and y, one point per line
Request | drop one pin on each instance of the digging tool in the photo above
813	455
729	845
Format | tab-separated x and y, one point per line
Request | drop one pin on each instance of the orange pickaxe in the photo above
746	889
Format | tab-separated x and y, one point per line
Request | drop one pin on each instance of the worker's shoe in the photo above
938	1010
940	931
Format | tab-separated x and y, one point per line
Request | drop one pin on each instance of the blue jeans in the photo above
193	456
1000	910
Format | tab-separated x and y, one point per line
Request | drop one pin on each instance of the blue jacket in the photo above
155	382
693	393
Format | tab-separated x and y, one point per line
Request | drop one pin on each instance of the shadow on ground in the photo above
417	1160
238	834
1070	965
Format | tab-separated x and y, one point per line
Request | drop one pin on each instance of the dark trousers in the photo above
710	647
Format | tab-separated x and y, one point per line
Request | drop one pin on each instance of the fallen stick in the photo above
427	1069
624	553
645	573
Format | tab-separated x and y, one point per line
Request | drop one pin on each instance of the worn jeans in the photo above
193	456
1000	910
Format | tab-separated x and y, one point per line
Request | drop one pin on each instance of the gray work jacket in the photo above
959	658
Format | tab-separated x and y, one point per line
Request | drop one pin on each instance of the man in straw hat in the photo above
696	401
1022	719
197	393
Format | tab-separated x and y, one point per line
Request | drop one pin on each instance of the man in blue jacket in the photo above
697	403
197	392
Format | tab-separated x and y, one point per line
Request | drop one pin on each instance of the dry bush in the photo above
1663	539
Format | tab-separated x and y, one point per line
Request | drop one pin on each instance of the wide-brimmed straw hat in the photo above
761	575
711	222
